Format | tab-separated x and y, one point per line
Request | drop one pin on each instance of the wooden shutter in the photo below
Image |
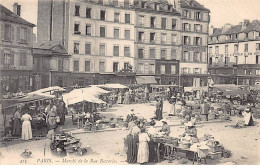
189	27
2	31
201	41
189	56
201	16
12	58
189	40
194	40
12	33
2	57
201	28
28	35
183	27
18	34
201	57
189	14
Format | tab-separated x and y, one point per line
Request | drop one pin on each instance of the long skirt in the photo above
158	114
17	128
52	124
26	130
132	148
143	152
62	118
152	151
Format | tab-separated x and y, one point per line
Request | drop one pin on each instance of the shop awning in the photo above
142	80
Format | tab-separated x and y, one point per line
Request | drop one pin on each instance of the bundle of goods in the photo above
65	144
216	149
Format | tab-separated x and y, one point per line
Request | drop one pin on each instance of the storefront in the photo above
195	80
15	80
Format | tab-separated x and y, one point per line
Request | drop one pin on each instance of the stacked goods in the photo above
216	149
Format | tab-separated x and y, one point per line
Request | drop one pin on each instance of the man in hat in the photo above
248	117
165	128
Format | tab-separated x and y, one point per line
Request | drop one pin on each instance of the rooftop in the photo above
9	16
192	4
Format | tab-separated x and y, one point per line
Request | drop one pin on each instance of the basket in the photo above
185	145
216	155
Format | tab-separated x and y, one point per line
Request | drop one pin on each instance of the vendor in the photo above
248	117
190	130
165	128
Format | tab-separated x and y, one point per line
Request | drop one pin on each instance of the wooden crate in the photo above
215	149
216	155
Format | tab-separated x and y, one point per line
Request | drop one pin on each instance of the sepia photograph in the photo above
130	82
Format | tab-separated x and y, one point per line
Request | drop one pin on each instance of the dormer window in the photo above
143	4
246	35
185	13
169	8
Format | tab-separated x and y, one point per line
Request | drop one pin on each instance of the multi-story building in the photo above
99	36
195	20
157	42
16	51
50	65
234	53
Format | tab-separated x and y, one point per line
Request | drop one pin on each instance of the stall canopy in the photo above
231	89
111	86
143	80
191	89
84	94
47	90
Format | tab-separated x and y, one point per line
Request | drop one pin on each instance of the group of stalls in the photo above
35	103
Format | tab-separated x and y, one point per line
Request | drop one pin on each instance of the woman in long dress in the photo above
26	127
17	128
143	149
132	141
51	119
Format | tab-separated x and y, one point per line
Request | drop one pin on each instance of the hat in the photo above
188	124
247	109
132	110
163	120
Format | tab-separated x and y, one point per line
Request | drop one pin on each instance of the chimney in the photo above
211	30
245	23
226	27
17	9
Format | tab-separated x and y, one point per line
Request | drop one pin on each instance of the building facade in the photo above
16	51
195	20
234	53
157	42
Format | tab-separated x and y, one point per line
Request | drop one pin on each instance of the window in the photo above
116	51
236	48
173	69
185	13
102	15
115	67
8	58
76	48
257	59
116	17
22	58
246	47
196	70
23	34
163	39
246	35
210	50
174	24
163	54
197	41
101	66
185	70
127	34
152	37
127	51
77	7
245	59
127	18
198	15
140	53
216	49
163	23
143	4
185	56
152	21
76	28
87	48
141	36
198	28
126	65
173	54
216	60
196	57
174	38
7	32
66	66
186	40
76	65
88	29
141	20
257	72
102	32
152	53
87	66
102	49
186	26
162	68
226	48
257	46
116	33
115	2
151	68
140	68
88	12
226	60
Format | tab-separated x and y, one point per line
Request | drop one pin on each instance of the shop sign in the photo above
195	49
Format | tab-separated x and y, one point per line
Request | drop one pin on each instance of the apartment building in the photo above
195	20
16	51
157	43
234	53
99	36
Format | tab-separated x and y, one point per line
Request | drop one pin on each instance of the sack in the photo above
57	119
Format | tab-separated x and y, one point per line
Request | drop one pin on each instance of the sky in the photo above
222	11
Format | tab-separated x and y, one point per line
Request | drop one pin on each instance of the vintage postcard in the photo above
130	82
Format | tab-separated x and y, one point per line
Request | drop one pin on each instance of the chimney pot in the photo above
17	9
